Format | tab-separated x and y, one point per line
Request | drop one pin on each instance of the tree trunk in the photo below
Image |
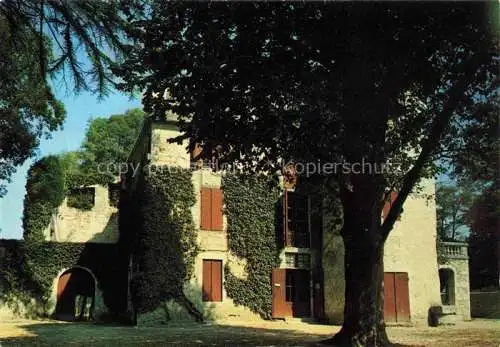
364	271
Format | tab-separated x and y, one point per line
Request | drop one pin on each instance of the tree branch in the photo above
441	121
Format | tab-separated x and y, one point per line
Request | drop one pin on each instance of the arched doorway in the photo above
447	286
75	294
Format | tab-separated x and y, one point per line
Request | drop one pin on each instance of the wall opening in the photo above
447	286
75	295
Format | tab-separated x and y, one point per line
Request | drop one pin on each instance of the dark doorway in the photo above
75	295
447	286
291	293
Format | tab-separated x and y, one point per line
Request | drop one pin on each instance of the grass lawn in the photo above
47	333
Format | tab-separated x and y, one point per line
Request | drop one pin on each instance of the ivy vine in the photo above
31	267
253	209
45	191
166	244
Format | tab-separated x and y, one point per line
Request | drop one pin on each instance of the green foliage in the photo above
81	198
166	244
484	239
49	181
453	204
44	194
107	141
107	144
251	205
267	83
45	260
45	191
93	30
29	110
49	38
285	82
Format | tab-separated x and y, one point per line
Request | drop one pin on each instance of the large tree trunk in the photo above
364	270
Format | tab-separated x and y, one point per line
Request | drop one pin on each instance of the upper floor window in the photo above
388	205
211	209
296	220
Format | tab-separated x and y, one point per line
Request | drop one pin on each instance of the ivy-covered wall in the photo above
165	243
45	191
253	211
31	266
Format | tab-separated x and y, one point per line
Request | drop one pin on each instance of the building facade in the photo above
309	282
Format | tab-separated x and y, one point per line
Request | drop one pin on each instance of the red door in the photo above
389	297
212	280
280	308
62	283
291	293
402	297
396	297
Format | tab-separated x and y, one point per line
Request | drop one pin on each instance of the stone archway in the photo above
75	294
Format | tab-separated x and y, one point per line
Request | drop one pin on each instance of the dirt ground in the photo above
295	333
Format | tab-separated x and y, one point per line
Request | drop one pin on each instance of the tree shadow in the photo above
173	334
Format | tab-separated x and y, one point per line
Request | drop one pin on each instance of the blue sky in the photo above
80	109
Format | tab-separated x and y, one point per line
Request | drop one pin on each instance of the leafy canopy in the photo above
75	42
453	205
323	82
108	143
28	108
261	83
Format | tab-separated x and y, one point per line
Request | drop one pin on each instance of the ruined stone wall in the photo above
99	224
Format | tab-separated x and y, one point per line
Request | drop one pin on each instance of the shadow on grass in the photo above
191	334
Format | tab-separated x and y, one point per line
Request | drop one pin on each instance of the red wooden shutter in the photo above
389	297
217	221
396	297
402	297
216	280
206	209
207	280
279	307
212	280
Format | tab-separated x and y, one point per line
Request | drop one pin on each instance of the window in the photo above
82	198
113	194
211	209
212	280
290	259
388	205
297	286
296	220
303	261
298	260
